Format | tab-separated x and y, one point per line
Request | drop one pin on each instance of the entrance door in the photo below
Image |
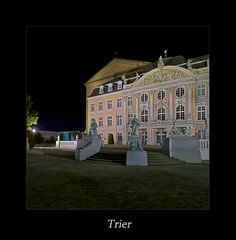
161	135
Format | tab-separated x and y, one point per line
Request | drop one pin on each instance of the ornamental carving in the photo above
163	74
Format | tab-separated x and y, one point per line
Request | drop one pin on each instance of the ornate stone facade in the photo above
157	93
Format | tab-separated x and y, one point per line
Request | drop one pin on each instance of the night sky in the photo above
61	59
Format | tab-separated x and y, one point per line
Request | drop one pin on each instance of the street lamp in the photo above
34	130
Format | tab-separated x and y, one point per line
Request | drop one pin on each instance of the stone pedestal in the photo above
136	158
135	155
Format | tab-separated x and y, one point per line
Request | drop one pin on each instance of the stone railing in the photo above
203	146
66	144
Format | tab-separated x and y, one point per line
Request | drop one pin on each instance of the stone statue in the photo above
160	62
93	127
134	125
76	137
174	130
189	67
58	137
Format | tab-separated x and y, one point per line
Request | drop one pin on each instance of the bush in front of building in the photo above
110	139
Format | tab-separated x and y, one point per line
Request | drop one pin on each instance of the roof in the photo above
141	70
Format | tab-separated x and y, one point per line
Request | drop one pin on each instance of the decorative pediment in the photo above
166	73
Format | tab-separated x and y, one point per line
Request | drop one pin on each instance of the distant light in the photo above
34	130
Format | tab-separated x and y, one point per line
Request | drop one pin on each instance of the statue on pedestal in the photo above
93	128
134	126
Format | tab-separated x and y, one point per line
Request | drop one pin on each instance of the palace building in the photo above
170	91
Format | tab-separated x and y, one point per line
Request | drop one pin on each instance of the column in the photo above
124	129
171	104
149	130
189	101
151	105
136	106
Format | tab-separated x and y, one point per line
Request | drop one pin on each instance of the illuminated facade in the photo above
171	90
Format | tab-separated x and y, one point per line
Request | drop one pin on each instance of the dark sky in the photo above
61	59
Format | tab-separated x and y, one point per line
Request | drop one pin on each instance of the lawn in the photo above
61	183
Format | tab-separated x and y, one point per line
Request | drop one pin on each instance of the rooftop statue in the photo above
160	62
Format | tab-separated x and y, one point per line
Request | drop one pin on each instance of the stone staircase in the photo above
155	158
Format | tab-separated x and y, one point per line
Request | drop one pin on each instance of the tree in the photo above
32	115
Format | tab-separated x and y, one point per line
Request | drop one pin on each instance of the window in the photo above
144	115
161	95
110	87
119	85
119	138
109	121
92	107
100	106
101	90
109	104
161	114
144	97
101	136
201	134
130	117
130	101
179	92
144	137
201	90
100	122
201	113
119	120
119	103
180	112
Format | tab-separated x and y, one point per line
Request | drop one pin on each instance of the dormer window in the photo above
119	85
110	87
101	91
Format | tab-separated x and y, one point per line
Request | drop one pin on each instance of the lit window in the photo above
119	103
144	115
109	104
100	106
109	121
179	92
201	112
130	117
144	97
92	107
201	90
161	114
101	90
119	120
100	122
130	101
161	95
110	87
119	85
180	112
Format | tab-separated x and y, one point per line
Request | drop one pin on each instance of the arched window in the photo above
179	92
144	97
180	112
144	115
161	95
161	114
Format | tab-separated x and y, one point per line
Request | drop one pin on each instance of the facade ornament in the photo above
165	53
124	79
189	67
160	62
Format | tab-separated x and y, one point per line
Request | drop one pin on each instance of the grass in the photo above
61	183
